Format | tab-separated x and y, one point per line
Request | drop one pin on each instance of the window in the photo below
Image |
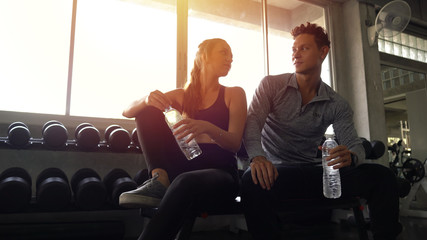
111	52
123	50
34	55
237	22
404	45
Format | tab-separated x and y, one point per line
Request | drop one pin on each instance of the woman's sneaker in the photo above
149	194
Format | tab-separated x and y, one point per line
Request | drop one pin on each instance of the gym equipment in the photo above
89	191
55	134
367	146
15	190
413	170
118	181
117	138
87	136
141	176
409	168
18	134
406	208
377	149
134	137
52	190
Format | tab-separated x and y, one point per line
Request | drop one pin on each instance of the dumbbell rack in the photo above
34	223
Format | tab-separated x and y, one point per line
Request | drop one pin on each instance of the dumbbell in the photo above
18	134
367	146
378	149
89	191
52	190
141	176
118	138
135	140
54	134
15	189
118	181
87	136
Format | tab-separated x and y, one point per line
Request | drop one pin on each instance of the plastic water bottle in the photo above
331	176
191	149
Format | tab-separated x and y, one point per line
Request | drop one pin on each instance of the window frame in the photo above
70	121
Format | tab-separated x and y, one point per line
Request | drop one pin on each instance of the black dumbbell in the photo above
89	191
55	134
135	140
15	189
118	181
18	134
53	190
378	149
367	146
87	136
117	138
141	176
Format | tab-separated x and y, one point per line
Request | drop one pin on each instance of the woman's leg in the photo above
201	188
158	144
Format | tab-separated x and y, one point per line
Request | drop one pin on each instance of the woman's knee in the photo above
149	113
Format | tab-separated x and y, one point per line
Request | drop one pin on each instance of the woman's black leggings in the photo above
208	180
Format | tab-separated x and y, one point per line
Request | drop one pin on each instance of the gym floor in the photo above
413	229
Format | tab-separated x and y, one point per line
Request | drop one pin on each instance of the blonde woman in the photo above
215	116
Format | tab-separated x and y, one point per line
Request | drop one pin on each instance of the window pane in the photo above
34	53
237	22
123	50
283	16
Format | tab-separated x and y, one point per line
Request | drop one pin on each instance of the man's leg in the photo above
377	184
260	204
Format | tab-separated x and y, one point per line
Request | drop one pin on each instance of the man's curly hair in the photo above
320	36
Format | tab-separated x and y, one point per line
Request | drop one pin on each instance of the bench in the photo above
374	150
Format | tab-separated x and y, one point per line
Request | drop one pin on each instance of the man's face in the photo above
306	55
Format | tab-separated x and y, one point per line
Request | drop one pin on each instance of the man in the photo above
286	122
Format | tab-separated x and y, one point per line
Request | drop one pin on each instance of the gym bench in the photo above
287	206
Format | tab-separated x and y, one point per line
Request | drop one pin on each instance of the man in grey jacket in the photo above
286	122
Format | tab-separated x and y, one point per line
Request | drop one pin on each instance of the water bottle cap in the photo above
168	108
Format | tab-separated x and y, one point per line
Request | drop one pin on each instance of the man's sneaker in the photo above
149	194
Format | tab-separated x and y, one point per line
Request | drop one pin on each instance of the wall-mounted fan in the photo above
391	20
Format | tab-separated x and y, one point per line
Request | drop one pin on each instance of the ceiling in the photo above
286	4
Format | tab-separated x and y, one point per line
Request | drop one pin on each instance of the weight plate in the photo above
413	170
80	127
135	139
108	131
48	123
55	135
80	175
15	124
112	176
88	138
119	140
16	172
50	172
19	136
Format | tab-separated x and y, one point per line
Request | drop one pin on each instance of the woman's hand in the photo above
158	99
191	128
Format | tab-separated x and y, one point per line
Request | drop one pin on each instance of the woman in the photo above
215	116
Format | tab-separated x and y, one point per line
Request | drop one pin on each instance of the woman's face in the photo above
219	59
